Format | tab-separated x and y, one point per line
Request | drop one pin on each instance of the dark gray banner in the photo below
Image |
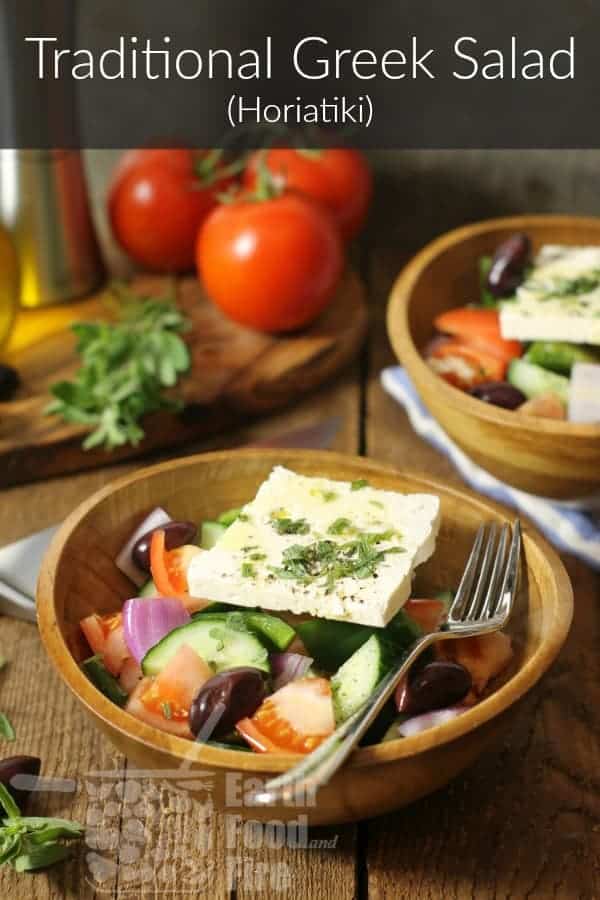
385	73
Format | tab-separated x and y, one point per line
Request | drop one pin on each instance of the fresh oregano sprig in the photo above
32	842
126	366
327	561
6	729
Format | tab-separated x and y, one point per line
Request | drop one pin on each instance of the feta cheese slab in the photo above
584	393
284	552
560	299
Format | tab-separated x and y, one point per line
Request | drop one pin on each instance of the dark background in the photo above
442	113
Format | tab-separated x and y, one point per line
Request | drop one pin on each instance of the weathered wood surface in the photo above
523	822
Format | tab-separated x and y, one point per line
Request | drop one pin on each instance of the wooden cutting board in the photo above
236	374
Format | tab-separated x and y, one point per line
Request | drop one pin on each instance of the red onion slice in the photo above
286	667
420	723
124	562
147	620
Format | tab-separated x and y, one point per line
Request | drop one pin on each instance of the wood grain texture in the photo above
236	374
543	456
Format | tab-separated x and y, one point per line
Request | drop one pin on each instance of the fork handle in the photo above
323	762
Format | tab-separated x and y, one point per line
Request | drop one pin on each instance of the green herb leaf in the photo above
359	484
285	525
8	803
327	561
567	287
125	367
41	857
6	729
10	846
248	570
30	842
341	526
327	496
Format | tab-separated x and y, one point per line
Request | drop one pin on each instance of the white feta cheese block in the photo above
248	565
584	393
560	299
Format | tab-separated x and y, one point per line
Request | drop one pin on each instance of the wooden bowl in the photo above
542	456
79	576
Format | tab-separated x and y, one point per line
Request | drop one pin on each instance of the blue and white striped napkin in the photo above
572	530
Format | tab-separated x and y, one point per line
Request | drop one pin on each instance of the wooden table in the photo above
522	823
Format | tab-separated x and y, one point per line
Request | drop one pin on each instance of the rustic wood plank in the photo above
48	721
525	820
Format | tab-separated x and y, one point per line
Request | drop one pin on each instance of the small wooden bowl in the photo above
542	456
79	576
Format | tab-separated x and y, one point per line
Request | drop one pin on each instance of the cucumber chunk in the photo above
331	643
210	532
215	640
532	380
558	356
149	590
486	296
275	632
99	675
354	683
228	517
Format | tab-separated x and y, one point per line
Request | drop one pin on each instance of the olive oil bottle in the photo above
9	285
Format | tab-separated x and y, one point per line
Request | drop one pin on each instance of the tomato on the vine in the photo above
270	264
158	200
339	179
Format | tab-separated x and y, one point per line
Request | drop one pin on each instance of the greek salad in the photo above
268	626
532	342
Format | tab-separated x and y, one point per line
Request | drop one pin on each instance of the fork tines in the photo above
488	586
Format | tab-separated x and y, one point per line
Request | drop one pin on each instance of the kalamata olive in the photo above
9	382
176	535
499	393
436	685
241	691
14	766
508	265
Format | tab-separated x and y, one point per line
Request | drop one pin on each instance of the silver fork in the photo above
483	603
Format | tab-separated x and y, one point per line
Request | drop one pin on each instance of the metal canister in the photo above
44	205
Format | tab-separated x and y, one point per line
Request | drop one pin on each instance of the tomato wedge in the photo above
295	719
169	567
130	675
465	365
429	614
480	328
173	690
137	708
105	636
484	657
255	738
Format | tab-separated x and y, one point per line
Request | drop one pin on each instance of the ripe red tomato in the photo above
272	265
339	179
157	203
